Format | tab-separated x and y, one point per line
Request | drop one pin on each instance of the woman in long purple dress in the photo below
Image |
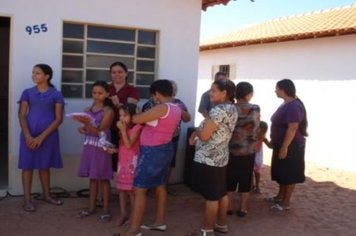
40	114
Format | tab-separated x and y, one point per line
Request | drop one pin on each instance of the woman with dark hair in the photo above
156	153
211	156
120	92
40	115
242	148
288	131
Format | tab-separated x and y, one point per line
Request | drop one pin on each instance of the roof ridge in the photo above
315	12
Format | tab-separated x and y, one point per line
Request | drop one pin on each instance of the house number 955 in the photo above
36	29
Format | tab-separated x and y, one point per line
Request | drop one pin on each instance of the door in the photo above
4	100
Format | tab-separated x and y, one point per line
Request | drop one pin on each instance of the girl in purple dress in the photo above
40	114
95	162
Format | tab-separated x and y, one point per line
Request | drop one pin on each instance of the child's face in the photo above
38	76
125	116
99	94
261	133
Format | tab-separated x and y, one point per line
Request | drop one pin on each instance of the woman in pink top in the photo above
156	152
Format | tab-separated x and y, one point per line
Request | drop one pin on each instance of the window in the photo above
89	50
229	70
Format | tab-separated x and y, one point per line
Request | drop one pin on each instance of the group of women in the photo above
225	144
225	150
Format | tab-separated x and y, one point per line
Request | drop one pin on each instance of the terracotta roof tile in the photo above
330	22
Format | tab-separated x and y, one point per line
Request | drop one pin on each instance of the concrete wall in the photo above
325	76
178	23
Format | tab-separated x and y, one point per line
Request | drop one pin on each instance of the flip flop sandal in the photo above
99	203
122	220
273	199
105	217
85	213
29	207
202	232
53	201
221	228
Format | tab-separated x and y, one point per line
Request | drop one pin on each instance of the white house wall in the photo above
178	23
324	72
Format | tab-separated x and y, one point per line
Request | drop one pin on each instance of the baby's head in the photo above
262	130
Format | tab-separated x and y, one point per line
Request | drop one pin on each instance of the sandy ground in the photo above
324	205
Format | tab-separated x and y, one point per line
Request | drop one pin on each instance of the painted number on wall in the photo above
36	29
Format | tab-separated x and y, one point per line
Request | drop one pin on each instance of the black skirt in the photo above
291	169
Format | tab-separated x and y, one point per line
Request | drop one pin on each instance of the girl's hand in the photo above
37	142
121	125
283	153
29	141
115	100
111	150
82	130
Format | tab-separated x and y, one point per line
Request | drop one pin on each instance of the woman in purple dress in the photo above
288	131
40	114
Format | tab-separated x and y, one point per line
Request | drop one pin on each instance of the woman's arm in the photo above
291	130
185	116
154	113
23	123
209	127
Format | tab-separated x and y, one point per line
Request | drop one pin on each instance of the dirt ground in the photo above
324	205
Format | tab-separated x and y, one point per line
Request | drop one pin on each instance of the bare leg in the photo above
138	210
288	195
243	201
211	211
161	202
123	201
257	178
223	205
105	186
93	191
230	201
27	176
45	179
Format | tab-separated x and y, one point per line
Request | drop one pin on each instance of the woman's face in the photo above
279	92
118	75
216	95
38	76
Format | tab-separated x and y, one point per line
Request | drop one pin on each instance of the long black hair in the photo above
105	86
228	86
243	89
47	70
288	87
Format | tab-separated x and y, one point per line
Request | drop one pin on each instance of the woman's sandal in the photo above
241	213
29	207
99	203
202	232
221	228
105	217
85	213
53	201
122	220
273	199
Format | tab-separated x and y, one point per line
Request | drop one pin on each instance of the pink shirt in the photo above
161	131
